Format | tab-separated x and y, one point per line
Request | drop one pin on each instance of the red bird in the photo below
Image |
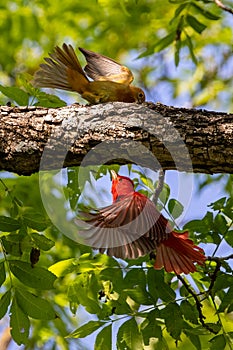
132	227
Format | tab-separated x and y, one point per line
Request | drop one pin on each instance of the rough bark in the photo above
33	138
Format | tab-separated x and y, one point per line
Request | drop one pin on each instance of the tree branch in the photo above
223	7
154	136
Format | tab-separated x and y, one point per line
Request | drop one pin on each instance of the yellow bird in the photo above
111	81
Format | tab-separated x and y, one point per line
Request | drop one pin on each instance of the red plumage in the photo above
132	226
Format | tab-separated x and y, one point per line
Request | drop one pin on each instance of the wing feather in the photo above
128	228
100	67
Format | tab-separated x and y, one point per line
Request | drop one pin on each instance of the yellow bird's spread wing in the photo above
102	68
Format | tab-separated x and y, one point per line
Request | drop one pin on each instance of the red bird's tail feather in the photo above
178	254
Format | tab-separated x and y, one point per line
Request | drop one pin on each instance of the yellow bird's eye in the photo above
141	97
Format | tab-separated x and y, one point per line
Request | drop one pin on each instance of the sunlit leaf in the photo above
104	339
48	100
16	94
63	267
129	337
86	329
175	208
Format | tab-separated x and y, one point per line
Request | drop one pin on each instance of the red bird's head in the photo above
121	186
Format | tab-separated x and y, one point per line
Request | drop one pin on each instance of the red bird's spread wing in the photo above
129	228
132	227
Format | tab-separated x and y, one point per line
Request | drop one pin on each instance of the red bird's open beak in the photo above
113	174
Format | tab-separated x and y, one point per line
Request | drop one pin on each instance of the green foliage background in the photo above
186	58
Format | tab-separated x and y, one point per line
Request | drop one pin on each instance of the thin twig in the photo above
217	259
223	7
198	305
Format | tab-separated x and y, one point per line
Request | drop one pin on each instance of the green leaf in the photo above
34	306
159	45
134	278
80	293
228	208
36	277
139	295
229	238
129	337
189	311
180	9
86	329
223	281
195	339
157	287
218	342
19	323
150	328
113	275
4	303
204	226
48	100
165	193
177	52
219	204
7	224
104	339
204	12
191	50
35	220
14	93
165	42
226	300
12	244
2	273
173	320
199	330
215	327
62	268
220	224
41	241
175	208
195	24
